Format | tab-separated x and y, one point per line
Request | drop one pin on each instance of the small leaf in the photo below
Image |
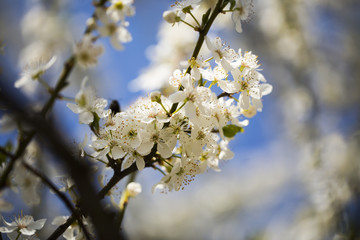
232	4
205	17
94	126
231	130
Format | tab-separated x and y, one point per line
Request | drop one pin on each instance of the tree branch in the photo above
202	33
61	195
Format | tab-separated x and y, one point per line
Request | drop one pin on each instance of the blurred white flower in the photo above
241	12
119	9
185	6
133	189
73	232
87	104
86	52
34	70
170	17
22	226
7	123
118	34
28	184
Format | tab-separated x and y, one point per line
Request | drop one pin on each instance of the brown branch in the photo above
61	195
6	153
224	94
105	190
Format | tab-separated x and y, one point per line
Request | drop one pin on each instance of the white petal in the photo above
266	89
226	155
190	110
229	86
86	117
140	163
129	160
22	81
7	229
27	232
226	65
59	220
101	153
244	100
117	152
135	143
177	97
145	148
12	224
195	73
74	108
50	63
258	104
164	150
99	144
115	43
209	43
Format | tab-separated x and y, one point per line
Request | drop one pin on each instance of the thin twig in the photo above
202	33
61	195
101	194
6	153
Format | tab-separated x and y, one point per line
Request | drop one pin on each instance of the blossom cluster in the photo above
109	22
187	131
181	134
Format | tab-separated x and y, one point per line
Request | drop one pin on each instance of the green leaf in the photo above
95	126
231	130
205	17
232	4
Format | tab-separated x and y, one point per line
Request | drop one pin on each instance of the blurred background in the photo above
296	171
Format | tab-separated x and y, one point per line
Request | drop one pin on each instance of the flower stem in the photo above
157	168
209	59
180	107
189	24
197	22
167	112
45	84
202	33
168	163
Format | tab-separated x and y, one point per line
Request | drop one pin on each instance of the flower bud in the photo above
91	23
250	112
155	96
133	189
170	17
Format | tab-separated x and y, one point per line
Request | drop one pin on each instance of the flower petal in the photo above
117	152
37	224
86	117
140	163
74	108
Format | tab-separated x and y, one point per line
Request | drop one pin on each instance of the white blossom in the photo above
133	189
86	52
241	12
23	226
87	104
117	33
119	9
34	70
73	232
